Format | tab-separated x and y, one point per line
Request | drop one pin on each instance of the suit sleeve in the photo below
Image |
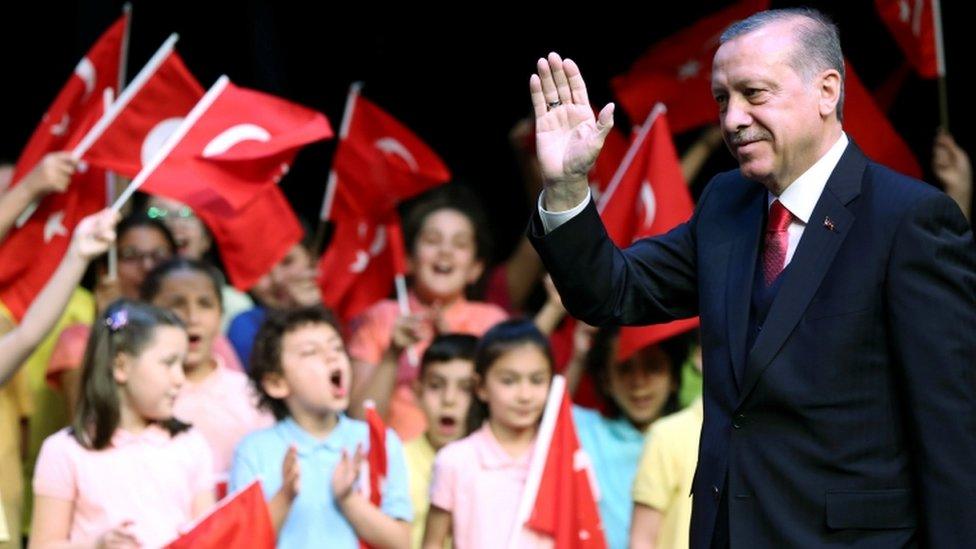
652	281
931	294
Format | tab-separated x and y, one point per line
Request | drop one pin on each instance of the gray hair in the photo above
817	38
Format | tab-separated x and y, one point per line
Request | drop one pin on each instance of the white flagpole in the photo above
330	186
940	64
137	83
113	250
178	134
540	454
618	175
111	179
124	50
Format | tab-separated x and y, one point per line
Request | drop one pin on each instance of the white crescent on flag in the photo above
61	127
379	242
55	226
648	203
390	145
86	71
234	135
361	262
363	257
156	137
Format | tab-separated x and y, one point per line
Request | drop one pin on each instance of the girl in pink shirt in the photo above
126	472
218	401
447	242
478	481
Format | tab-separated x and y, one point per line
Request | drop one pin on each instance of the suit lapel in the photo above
742	266
828	227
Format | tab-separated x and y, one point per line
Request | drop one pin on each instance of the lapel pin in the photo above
829	225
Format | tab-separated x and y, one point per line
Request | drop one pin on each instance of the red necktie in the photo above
777	240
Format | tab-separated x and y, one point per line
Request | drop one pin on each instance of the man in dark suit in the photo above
837	302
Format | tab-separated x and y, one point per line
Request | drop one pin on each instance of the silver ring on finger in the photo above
553	104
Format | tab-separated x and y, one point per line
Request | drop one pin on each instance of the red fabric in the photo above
677	71
565	506
912	24
397	248
777	241
243	142
241	522
71	113
650	199
867	125
377	458
151	114
381	162
29	255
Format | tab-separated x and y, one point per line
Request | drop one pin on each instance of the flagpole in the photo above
113	250
171	141
112	113
111	178
540	454
940	65
330	186
124	50
618	175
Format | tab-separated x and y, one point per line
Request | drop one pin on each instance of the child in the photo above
126	472
444	393
446	239
215	399
478	480
310	461
637	391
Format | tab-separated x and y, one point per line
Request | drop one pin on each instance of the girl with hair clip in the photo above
126	472
478	480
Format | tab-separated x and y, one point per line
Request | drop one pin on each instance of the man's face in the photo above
770	116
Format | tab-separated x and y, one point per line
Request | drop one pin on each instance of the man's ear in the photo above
830	89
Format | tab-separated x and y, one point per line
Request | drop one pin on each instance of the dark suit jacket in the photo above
852	419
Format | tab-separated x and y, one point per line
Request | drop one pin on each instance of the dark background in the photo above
456	76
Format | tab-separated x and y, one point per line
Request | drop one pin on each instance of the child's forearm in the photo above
372	525
279	506
377	386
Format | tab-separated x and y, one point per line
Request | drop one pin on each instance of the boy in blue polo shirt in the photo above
312	461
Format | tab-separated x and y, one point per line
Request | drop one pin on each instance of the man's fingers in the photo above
576	85
559	78
538	98
548	85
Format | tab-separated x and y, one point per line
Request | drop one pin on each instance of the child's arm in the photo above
203	503
51	527
52	174
645	523
370	523
378	385
438	528
552	311
92	237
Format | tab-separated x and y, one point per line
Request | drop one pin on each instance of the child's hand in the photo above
52	174
410	329
583	338
552	295
94	234
291	474
119	537
346	472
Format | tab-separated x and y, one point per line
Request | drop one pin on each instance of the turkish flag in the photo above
565	505
70	115
677	71
867	125
157	105
233	144
380	162
241	522
649	197
611	156
915	25
357	269
30	254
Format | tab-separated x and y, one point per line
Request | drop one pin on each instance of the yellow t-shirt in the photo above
419	455
4	535
666	470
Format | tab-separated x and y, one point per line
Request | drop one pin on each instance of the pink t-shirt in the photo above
370	335
69	352
150	478
223	407
480	485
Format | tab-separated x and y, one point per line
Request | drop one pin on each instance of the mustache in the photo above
748	136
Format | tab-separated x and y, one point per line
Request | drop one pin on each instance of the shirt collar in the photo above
293	433
492	455
623	429
153	434
802	195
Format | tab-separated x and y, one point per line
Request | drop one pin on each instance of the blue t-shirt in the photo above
315	519
242	331
614	447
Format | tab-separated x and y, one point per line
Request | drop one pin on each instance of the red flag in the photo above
67	119
916	26
232	145
377	454
565	504
677	71
380	162
397	247
649	198
255	238
153	105
872	131
31	253
611	155
242	521
357	269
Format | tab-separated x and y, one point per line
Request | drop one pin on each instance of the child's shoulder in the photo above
460	451
62	441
